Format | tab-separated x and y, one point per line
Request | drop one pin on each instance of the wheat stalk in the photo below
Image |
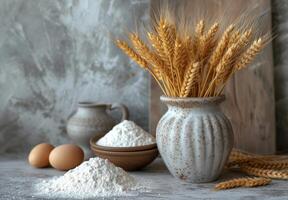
264	166
237	154
223	70
148	55
220	49
242	182
235	36
180	59
190	52
206	41
139	60
250	54
132	54
167	35
157	45
268	173
261	164
244	39
180	56
216	56
238	162
174	49
190	80
274	164
143	49
199	32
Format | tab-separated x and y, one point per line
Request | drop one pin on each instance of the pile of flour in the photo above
94	178
126	134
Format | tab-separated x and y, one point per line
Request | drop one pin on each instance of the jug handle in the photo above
122	108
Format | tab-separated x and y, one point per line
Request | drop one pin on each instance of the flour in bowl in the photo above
94	178
126	134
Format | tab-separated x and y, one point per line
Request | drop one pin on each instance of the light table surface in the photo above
17	179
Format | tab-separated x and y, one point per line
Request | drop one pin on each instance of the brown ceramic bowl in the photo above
120	149
130	158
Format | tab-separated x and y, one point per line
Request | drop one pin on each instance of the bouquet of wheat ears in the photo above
193	61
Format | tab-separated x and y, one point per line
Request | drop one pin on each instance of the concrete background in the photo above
56	53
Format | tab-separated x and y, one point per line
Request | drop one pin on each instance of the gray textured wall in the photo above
280	24
56	53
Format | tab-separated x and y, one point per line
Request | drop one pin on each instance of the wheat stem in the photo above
274	174
242	182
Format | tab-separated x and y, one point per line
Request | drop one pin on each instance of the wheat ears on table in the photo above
264	167
242	182
192	61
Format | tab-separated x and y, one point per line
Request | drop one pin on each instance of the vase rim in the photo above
90	104
192	100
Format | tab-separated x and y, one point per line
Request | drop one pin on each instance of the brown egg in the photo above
39	155
66	156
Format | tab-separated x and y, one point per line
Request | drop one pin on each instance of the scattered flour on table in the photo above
94	178
126	134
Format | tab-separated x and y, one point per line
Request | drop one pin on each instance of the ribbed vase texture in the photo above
194	138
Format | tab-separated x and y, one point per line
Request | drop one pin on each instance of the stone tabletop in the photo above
17	179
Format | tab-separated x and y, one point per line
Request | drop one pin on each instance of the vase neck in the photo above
200	109
91	107
193	103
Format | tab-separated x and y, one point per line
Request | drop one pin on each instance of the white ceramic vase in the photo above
194	138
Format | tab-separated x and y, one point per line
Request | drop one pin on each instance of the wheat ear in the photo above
148	55
238	162
180	55
190	79
223	70
199	32
180	59
224	67
274	174
250	54
242	182
166	74
139	60
220	49
189	45
235	36
207	40
237	154
217	55
143	49
244	39
261	164
240	44
167	35
157	45
132	54
270	164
